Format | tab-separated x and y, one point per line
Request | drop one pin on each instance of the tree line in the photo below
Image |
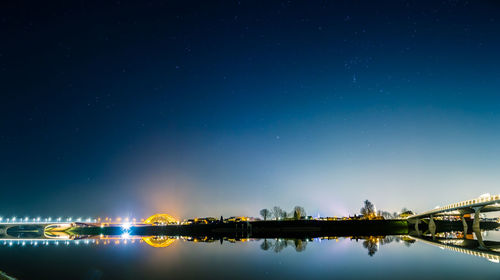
277	213
368	211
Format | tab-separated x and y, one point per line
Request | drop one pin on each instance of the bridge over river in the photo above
482	204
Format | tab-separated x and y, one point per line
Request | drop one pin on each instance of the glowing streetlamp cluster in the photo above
25	220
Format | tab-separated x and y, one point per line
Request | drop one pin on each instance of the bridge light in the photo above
126	226
1	219
38	219
14	219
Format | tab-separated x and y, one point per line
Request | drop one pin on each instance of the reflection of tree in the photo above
266	244
372	245
278	245
300	245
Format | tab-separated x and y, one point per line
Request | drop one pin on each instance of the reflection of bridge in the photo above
30	230
485	203
489	250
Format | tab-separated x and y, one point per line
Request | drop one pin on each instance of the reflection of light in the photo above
125	235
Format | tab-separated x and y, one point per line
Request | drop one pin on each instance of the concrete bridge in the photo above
482	204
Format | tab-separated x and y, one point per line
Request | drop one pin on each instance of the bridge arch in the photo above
161	219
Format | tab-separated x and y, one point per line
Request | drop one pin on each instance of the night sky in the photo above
206	108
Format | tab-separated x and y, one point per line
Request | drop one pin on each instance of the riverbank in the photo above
261	229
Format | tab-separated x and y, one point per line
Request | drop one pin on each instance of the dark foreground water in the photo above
448	256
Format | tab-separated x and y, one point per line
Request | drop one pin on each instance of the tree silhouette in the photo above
265	213
368	210
298	212
277	212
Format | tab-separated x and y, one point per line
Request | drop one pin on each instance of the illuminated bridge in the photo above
484	203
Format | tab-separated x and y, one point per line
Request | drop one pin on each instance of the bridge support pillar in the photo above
432	226
417	221
464	223
475	224
479	238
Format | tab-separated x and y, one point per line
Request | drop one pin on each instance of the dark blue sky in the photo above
210	108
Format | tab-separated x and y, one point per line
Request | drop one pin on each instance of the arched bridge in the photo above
161	219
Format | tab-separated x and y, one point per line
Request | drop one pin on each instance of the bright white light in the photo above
125	235
126	226
14	219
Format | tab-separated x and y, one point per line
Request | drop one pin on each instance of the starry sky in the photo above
209	108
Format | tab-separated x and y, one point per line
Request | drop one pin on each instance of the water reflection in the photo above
277	245
469	243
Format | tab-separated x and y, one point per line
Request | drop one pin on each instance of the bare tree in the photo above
284	214
277	212
265	213
368	210
298	212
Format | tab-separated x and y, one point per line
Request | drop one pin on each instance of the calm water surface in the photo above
392	257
